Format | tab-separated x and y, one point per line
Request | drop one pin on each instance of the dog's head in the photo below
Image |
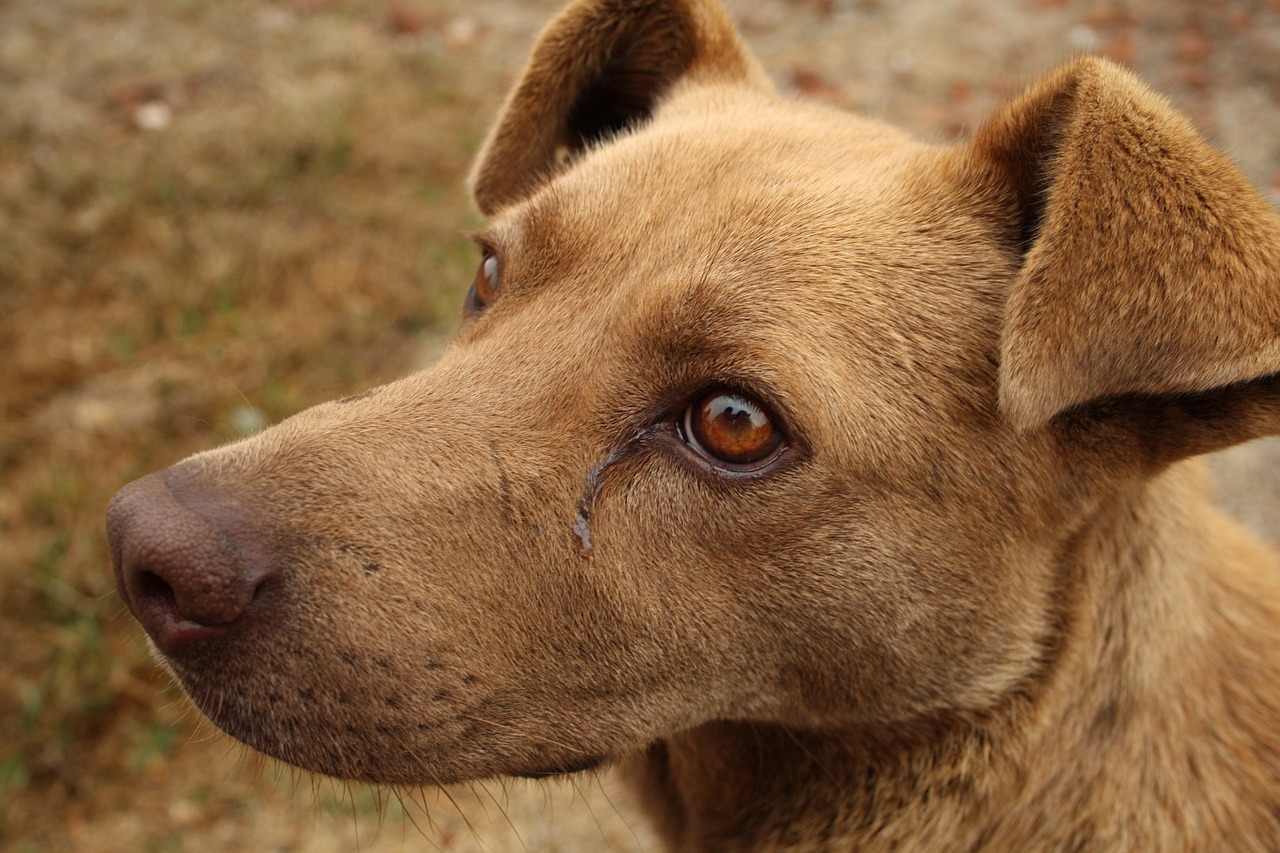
760	411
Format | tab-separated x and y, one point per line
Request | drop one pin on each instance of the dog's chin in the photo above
369	752
363	761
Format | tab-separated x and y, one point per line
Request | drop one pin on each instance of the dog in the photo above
837	489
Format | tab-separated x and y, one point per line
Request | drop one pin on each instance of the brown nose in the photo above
191	562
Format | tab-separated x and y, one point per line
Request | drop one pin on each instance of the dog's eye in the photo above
485	286
732	428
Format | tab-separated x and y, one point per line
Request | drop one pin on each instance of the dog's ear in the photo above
598	68
1150	268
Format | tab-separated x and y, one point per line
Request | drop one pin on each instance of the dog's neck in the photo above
1147	720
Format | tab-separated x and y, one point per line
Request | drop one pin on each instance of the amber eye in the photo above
730	427
485	287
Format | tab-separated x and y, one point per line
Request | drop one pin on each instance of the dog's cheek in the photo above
714	606
936	614
851	603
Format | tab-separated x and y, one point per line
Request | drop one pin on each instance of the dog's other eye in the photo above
732	428
485	286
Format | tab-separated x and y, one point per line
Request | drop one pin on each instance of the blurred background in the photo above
214	213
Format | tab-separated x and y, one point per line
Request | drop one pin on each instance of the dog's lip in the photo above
576	765
180	635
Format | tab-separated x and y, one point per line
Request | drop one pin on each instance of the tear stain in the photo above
595	484
582	529
586	503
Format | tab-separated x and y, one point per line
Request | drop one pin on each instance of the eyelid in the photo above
486	243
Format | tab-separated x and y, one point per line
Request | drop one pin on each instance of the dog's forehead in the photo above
724	163
749	237
751	204
721	178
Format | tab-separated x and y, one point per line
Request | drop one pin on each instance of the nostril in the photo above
153	589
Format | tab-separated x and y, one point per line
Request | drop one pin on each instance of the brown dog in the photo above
830	483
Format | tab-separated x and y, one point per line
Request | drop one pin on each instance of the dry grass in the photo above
290	234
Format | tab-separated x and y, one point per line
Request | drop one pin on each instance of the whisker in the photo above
505	816
617	811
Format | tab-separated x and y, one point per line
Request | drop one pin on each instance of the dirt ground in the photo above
214	213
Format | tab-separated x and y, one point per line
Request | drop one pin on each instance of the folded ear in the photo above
1151	267
599	67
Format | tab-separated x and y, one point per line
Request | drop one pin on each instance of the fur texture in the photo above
980	601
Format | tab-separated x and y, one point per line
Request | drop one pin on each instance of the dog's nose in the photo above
190	560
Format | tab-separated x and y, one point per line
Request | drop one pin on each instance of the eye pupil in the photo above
731	427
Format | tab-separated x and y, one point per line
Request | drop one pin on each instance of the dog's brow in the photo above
532	229
499	233
483	240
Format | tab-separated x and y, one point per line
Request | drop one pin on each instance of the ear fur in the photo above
597	68
1152	267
